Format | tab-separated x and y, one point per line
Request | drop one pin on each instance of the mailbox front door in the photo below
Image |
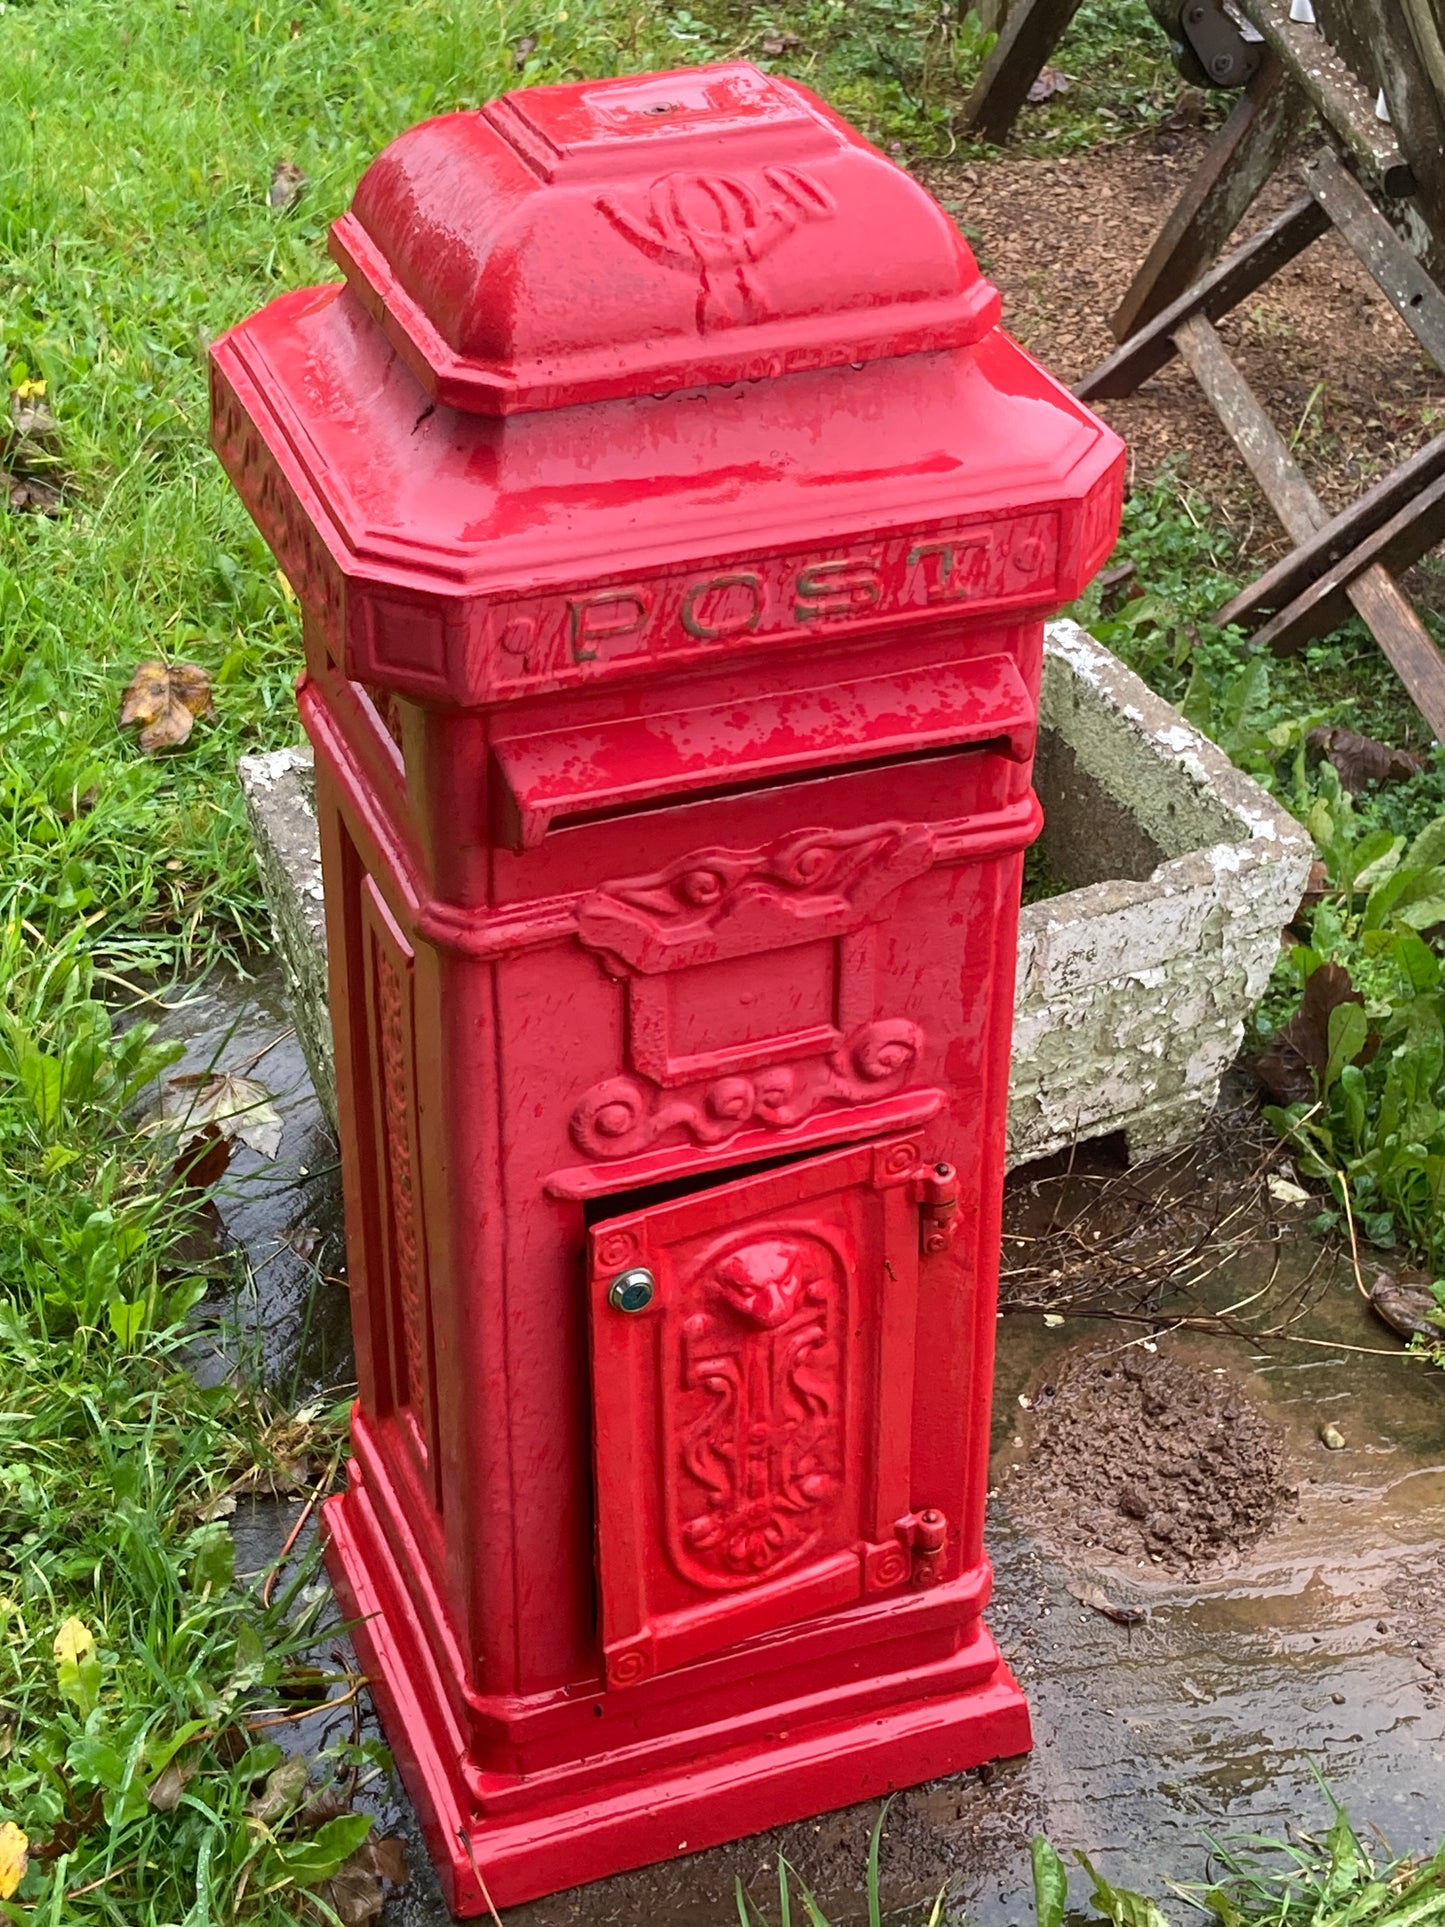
752	1368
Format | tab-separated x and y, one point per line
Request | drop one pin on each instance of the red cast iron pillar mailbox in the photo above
674	528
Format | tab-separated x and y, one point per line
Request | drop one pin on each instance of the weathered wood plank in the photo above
1341	25
1380	251
1343	101
1415	107
1215	294
1250	429
1029	35
1375	594
1260	131
1404	641
1395	546
1292	577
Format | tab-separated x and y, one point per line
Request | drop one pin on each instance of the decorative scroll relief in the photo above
622	1115
721	903
719	227
753	1430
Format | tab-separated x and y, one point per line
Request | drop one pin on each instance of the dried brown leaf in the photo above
165	699
284	1787
168	1786
1049	83
28	493
203	1160
238	1109
1404	1300
32	420
1288	1069
326	1805
1098	1601
287	185
1315	890
355	1891
1362	760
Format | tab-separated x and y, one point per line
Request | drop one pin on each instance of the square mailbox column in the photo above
674	528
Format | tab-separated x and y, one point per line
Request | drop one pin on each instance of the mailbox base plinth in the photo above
825	1752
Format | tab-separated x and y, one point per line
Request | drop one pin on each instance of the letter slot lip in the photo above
632	762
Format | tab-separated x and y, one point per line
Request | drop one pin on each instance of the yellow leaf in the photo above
78	1670
28	390
74	1641
286	589
165	698
13	1859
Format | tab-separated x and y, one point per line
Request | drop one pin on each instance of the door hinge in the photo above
938	1208
925	1534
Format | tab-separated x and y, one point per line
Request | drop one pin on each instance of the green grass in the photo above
137	143
141	1678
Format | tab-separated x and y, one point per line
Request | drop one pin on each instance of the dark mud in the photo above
1137	1454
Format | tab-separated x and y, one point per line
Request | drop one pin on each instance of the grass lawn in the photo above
141	1685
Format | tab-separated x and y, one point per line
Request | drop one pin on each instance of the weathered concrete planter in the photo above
1133	986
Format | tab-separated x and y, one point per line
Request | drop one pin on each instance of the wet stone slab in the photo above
1319	1648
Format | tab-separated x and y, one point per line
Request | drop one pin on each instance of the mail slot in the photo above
674	528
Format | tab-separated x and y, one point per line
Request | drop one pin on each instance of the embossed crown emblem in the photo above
719	227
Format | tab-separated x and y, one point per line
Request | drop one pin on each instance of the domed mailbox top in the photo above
572	244
637	373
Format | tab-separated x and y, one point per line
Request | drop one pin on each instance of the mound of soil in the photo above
1146	1456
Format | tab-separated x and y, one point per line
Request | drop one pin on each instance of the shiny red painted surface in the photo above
674	529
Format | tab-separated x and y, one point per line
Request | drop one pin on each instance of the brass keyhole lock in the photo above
632	1290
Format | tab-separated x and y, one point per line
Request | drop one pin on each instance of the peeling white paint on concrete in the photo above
1133	996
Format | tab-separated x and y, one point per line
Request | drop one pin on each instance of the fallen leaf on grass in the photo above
287	183
284	1787
165	698
1049	83
168	1786
26	492
218	1104
356	1892
14	1858
31	416
1361	760
1300	1052
72	1829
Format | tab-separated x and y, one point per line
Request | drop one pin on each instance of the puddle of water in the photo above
1210	1719
288	1319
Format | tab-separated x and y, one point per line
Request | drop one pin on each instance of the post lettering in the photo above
951	569
605	618
724	605
837	589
